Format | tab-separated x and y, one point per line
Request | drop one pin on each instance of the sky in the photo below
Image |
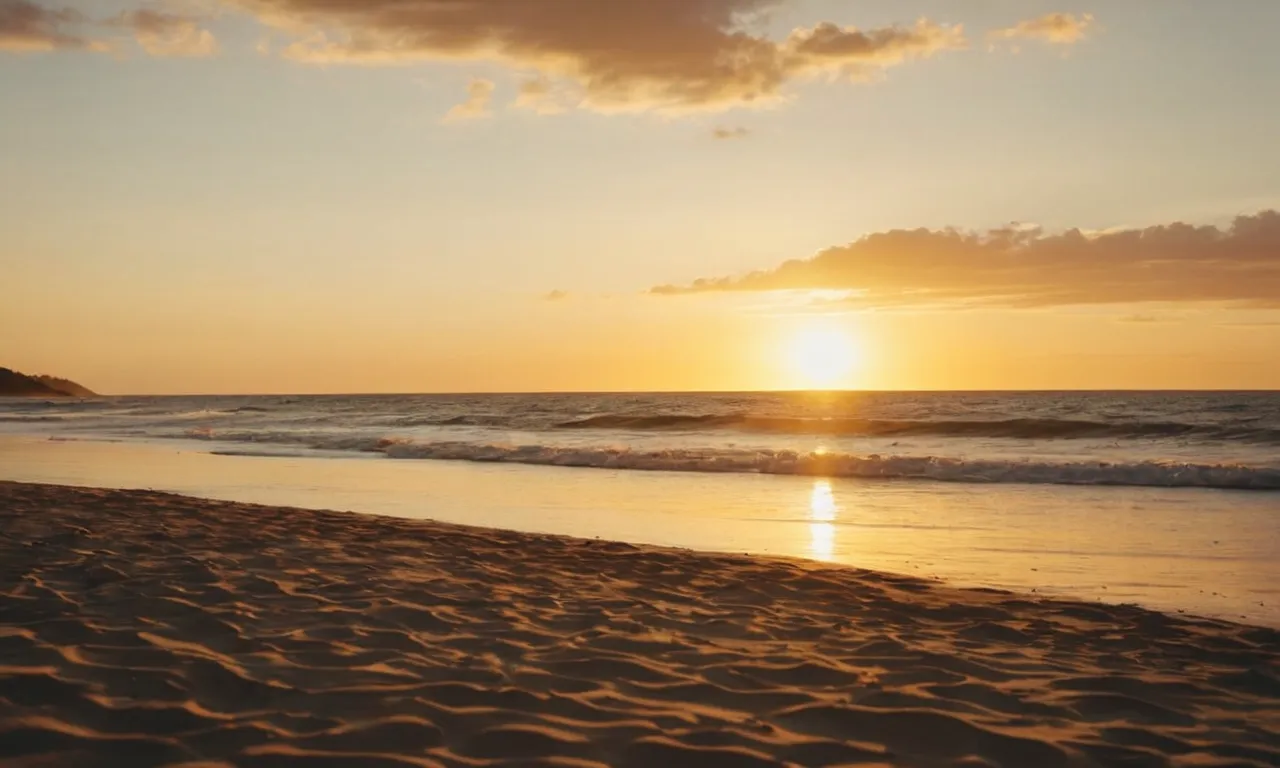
261	196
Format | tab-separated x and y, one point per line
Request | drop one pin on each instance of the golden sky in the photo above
484	195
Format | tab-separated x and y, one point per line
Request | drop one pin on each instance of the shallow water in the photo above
1208	552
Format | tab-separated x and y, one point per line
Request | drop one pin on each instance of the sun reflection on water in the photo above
822	511
822	503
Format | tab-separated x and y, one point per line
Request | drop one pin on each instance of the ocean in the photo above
1208	440
1168	499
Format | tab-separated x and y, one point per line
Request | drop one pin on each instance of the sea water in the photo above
1171	500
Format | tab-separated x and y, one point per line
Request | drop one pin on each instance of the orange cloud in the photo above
479	96
168	34
1060	28
25	26
853	52
667	55
1019	267
730	133
542	96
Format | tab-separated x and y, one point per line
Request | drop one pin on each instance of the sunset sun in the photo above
822	357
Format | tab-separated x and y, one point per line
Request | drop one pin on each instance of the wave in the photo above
785	462
1024	428
285	454
469	420
20	405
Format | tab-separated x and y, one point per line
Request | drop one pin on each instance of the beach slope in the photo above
141	628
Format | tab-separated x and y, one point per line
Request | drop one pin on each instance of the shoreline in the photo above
174	629
1205	553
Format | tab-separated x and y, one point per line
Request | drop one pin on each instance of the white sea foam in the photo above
845	465
786	462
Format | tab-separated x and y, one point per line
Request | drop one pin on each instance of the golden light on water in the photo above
822	357
822	503
822	511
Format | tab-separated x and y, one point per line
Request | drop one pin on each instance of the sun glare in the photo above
822	357
822	511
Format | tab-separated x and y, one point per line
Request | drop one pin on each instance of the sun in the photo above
822	357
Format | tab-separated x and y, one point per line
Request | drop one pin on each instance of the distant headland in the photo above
14	384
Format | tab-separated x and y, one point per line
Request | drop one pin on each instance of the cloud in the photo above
1143	319
730	133
1027	267
665	55
479	96
669	56
169	34
556	295
540	94
848	51
25	26
1059	28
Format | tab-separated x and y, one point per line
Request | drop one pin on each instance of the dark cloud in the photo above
25	26
168	34
668	55
730	133
607	55
556	295
1020	267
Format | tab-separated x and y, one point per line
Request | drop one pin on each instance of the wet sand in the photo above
140	628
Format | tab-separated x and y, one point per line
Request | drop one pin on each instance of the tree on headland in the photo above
14	384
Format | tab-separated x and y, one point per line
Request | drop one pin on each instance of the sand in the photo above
141	628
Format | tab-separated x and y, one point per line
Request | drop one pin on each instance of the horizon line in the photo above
604	392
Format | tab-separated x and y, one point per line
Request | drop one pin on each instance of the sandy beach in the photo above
140	628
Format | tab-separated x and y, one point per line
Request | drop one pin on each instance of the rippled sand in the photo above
142	628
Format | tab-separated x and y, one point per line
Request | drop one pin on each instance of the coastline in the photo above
171	629
1207	553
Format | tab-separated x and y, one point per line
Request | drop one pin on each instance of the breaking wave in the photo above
1024	428
786	462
